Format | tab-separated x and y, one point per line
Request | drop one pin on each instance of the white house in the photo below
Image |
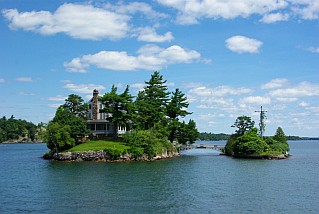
97	122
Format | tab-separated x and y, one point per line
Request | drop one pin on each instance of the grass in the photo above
97	145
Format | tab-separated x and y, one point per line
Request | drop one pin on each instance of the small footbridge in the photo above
219	148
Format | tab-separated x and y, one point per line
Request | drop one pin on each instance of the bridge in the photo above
219	148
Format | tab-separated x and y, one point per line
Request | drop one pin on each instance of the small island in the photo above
246	143
115	127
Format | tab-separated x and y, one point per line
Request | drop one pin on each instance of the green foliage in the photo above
175	109
151	102
229	147
280	136
13	129
213	137
187	132
58	137
278	143
151	141
75	104
250	143
243	124
119	107
68	125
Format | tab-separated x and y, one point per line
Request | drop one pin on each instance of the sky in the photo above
228	57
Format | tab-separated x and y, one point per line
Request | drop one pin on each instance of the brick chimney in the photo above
95	104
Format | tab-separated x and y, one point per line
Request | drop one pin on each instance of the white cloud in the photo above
256	100
189	12
83	88
313	49
75	20
274	17
219	91
24	79
304	89
150	57
242	44
303	104
22	93
307	9
56	105
136	7
286	99
58	98
275	83
148	34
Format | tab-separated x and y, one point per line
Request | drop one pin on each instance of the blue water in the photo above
200	181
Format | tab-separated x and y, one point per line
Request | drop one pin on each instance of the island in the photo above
117	127
246	143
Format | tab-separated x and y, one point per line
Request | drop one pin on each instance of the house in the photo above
98	122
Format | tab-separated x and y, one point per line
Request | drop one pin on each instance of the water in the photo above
198	182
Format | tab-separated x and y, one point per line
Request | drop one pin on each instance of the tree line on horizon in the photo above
18	130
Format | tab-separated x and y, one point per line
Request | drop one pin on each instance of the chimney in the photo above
95	104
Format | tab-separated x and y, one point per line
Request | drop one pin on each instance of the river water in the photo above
200	181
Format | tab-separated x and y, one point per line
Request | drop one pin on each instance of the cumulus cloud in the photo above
307	9
149	57
83	88
24	79
149	34
242	44
189	12
275	83
136	7
260	100
304	89
76	20
218	91
274	17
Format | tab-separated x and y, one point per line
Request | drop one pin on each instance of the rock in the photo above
102	156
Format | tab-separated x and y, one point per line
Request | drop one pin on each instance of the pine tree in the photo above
119	107
152	101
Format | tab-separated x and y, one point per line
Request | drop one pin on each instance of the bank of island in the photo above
117	127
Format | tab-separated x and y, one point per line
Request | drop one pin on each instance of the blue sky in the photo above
229	57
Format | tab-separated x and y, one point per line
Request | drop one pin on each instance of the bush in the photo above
150	142
250	144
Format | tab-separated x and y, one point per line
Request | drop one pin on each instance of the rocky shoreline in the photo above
264	157
102	156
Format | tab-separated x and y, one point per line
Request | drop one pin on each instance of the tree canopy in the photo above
17	129
68	124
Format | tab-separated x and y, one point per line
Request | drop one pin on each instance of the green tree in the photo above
187	132
243	124
68	125
250	144
58	137
119	107
76	106
176	108
152	101
280	136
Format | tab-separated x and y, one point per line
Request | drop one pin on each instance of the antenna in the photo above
261	122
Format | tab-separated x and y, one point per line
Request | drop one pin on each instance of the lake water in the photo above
200	181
